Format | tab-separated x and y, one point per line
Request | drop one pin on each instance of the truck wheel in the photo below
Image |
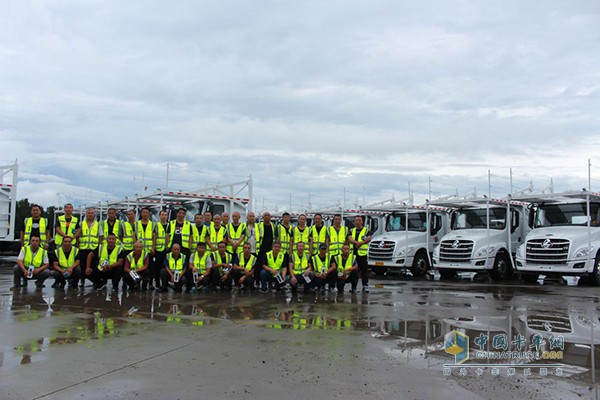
420	264
597	270
501	269
379	271
447	273
530	278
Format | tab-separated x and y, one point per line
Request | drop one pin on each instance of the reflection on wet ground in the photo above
413	317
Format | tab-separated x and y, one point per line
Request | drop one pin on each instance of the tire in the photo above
447	273
420	264
596	273
530	278
379	271
502	268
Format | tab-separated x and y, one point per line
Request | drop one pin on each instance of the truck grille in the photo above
547	251
456	250
550	323
381	250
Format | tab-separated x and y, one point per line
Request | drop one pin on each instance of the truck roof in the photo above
476	202
563	197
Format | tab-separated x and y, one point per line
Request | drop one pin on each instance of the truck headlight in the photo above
405	250
521	251
485	251
583	252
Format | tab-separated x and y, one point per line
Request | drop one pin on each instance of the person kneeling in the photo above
347	269
300	269
222	266
136	268
199	270
174	271
274	269
66	264
244	268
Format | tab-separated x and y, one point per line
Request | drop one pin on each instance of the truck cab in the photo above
408	240
565	239
484	236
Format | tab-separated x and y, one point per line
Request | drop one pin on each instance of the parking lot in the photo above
388	343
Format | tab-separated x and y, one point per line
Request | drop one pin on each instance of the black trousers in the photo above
363	267
99	278
59	277
165	278
330	280
145	276
352	278
237	275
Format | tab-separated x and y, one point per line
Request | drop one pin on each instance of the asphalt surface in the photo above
386	344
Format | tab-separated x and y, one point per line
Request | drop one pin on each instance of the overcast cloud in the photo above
96	97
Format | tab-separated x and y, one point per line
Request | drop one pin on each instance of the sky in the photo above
321	102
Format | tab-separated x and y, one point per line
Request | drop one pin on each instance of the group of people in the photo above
210	253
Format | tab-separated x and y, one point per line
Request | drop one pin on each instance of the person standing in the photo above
251	232
301	232
360	238
66	264
144	232
32	263
265	234
319	234
236	232
160	250
68	225
180	233
199	232
217	233
285	233
112	225
129	231
89	240
35	226
338	235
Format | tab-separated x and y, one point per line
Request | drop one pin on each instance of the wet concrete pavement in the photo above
386	344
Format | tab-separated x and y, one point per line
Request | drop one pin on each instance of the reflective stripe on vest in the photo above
302	236
217	237
70	231
200	262
185	233
273	263
318	237
63	261
198	235
300	265
89	236
235	234
29	226
145	236
127	236
176	265
247	264
362	250
29	259
285	236
337	239
135	265
321	266
111	257
343	267
161	237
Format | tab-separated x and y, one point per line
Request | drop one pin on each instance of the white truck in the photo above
484	236
9	242
410	235
565	239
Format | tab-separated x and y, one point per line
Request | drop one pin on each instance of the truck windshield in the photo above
565	214
397	222
476	218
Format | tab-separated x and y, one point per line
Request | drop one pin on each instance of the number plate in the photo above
379	263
